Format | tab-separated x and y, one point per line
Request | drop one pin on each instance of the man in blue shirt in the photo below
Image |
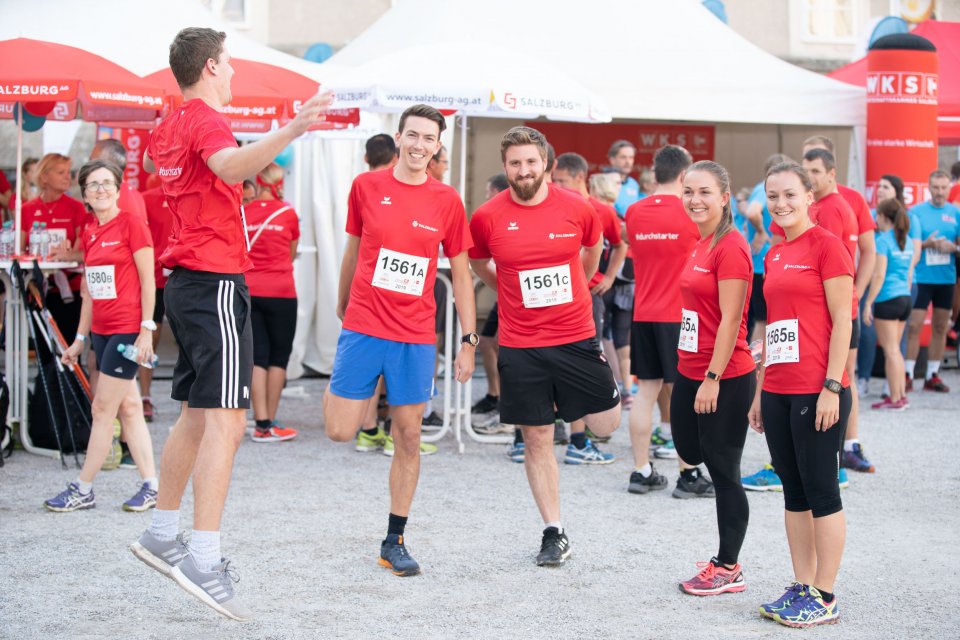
621	157
936	275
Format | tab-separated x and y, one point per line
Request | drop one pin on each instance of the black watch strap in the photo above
833	386
470	338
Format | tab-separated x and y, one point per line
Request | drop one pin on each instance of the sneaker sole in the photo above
563	558
403	574
363	449
756	487
686	495
659	456
517	460
187	585
803	625
645	488
272	439
69	509
735	587
146	556
127	466
576	461
139	509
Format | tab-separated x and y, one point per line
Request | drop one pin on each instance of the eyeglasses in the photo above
107	186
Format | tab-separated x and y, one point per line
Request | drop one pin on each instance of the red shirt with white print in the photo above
63	217
113	282
160	221
401	228
542	293
272	273
700	290
861	210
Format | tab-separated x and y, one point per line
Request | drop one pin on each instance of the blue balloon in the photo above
888	26
285	157
30	121
319	52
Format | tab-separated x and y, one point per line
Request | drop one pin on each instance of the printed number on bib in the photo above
101	282
936	258
546	287
783	342
689	331
400	272
57	236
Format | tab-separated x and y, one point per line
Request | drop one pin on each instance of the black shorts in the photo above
110	362
159	308
492	324
855	333
440	297
618	314
758	304
209	315
274	324
893	309
653	350
941	295
575	377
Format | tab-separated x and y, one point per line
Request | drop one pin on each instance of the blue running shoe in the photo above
764	480
70	499
143	500
842	478
666	452
394	556
771	608
516	452
808	610
588	455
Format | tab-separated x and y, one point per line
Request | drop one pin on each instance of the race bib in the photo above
546	287
689	330
935	257
57	235
400	272
101	282
783	342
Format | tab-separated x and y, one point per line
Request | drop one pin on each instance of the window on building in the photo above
829	21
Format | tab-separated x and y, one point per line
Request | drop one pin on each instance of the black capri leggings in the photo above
274	322
716	439
806	460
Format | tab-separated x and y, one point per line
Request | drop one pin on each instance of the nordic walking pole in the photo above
61	383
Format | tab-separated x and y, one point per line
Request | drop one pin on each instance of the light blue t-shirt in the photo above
898	265
629	193
936	267
914	232
759	194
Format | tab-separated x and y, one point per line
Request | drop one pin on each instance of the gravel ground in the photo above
305	519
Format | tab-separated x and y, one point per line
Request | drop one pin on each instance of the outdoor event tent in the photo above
945	36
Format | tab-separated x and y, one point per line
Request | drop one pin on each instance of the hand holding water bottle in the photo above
141	351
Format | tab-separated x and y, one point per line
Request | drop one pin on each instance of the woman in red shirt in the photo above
117	311
274	229
715	372
804	401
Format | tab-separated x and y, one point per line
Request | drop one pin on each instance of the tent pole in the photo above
463	158
19	187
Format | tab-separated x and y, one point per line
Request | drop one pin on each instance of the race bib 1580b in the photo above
400	272
101	282
546	287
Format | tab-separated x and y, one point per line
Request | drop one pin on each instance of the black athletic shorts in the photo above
274	324
575	377
893	309
492	324
941	295
653	350
758	304
159	308
440	297
618	313
855	333
209	315
110	362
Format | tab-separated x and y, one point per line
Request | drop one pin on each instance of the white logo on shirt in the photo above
796	266
513	227
109	244
656	236
562	235
170	172
776	258
700	269
59	219
386	200
418	225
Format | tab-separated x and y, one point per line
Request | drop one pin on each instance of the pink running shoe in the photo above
713	579
889	405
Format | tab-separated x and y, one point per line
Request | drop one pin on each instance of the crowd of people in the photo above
762	309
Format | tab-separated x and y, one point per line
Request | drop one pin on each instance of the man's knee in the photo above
605	422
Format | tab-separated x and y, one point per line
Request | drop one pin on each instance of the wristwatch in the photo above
833	385
149	324
471	339
713	376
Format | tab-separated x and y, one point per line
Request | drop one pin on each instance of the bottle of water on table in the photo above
35	239
44	241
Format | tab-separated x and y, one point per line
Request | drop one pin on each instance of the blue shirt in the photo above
898	265
759	194
914	233
629	193
936	267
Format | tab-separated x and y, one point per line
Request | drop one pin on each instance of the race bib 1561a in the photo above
400	272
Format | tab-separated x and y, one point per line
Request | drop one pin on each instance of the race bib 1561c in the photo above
546	287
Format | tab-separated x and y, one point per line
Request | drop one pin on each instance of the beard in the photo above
527	190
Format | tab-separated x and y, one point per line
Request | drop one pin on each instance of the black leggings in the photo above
716	439
806	460
274	323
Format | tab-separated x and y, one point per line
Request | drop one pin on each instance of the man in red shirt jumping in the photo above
208	307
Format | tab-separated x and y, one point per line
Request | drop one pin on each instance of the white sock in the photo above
165	524
645	470
886	388
84	487
205	549
848	444
554	524
665	430
910	365
932	368
152	482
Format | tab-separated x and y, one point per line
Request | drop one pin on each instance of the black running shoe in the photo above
554	549
700	487
653	482
487	404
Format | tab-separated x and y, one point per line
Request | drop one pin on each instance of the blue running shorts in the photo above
407	368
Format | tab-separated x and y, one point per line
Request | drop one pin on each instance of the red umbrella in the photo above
263	93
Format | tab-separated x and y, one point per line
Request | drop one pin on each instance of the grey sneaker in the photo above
159	554
698	488
212	588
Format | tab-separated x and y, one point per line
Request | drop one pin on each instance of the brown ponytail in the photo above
894	211
723	181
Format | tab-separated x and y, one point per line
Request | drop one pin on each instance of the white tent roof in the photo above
649	59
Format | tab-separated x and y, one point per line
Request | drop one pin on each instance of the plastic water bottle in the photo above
6	241
130	352
44	241
35	239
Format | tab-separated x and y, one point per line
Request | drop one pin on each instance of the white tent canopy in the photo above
648	59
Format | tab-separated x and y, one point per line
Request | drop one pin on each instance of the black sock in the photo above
263	425
579	440
372	431
690	475
493	397
826	596
395	524
124	448
518	436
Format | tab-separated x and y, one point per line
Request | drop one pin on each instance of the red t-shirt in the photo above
700	291
64	218
793	289
272	273
209	234
401	227
113	282
4	183
953	197
131	201
610	222
661	238
861	210
542	292
160	221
